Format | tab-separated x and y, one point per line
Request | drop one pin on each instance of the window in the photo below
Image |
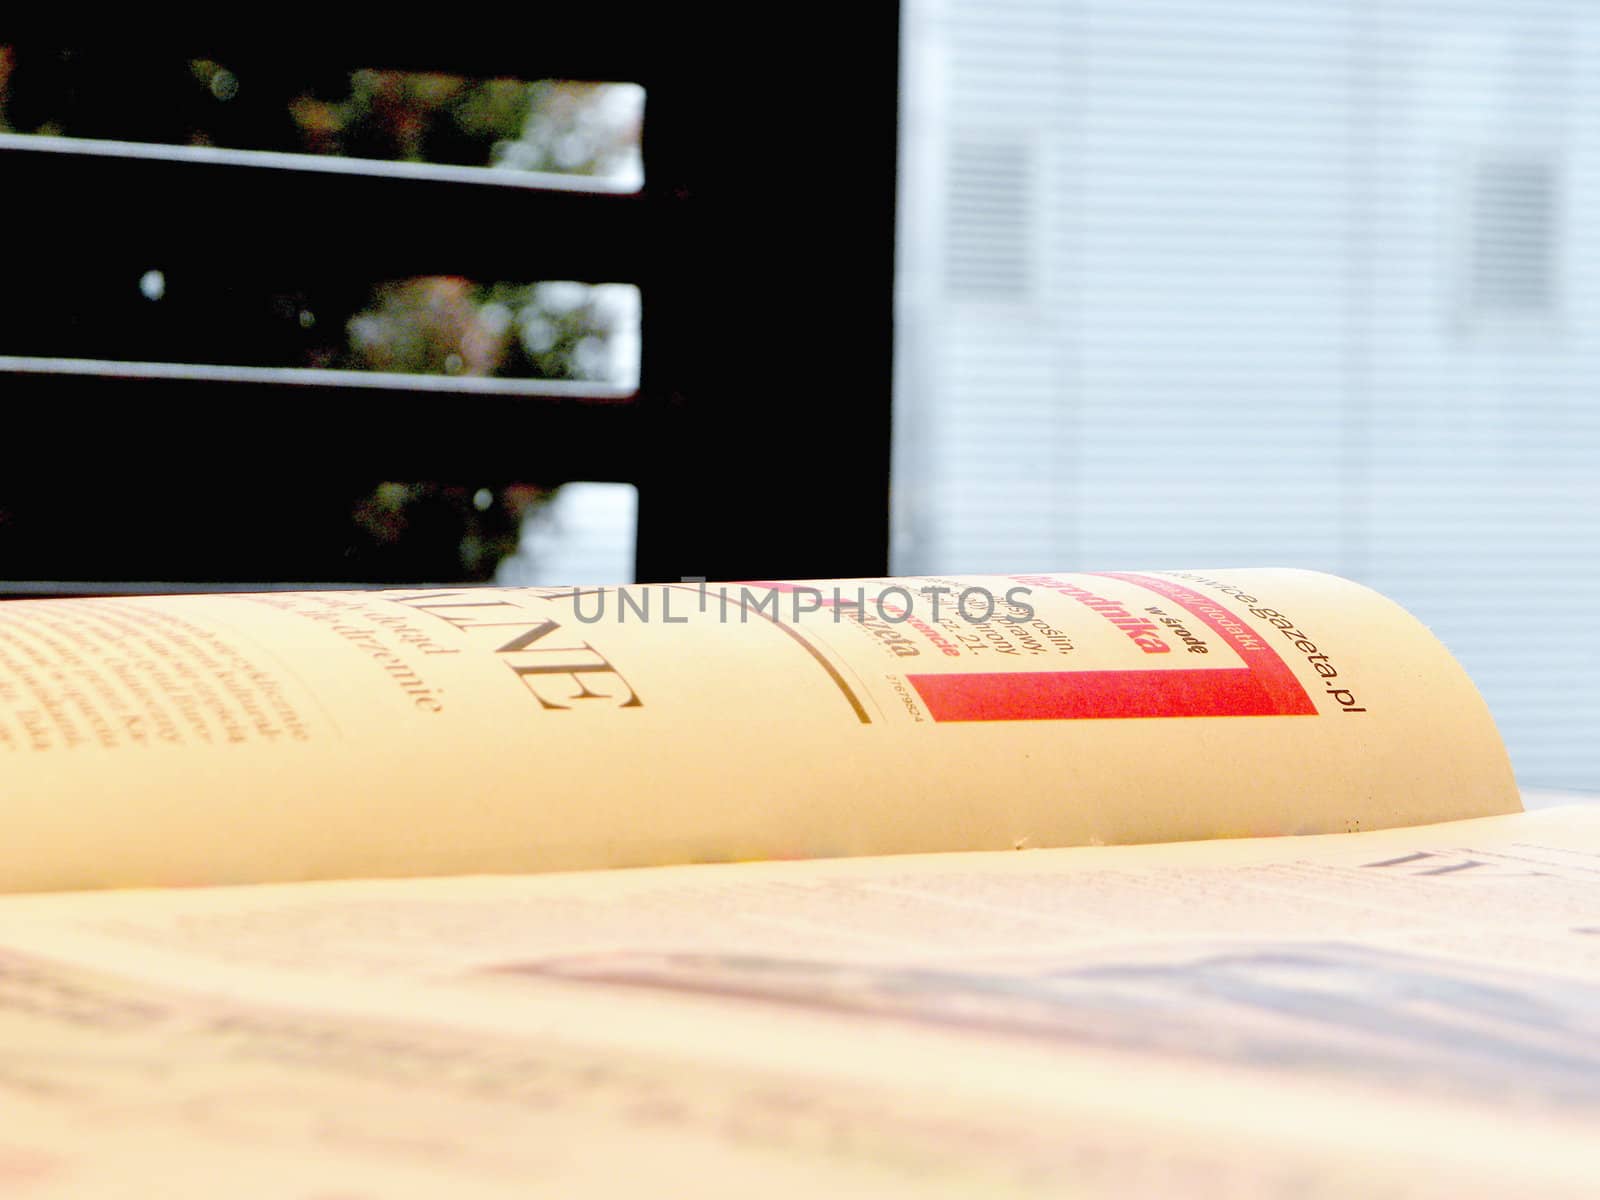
760	245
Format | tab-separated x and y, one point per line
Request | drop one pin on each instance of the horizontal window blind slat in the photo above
313	164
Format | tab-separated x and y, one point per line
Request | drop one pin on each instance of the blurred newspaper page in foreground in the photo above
1401	1013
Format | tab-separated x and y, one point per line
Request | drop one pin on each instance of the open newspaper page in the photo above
1401	1013
216	739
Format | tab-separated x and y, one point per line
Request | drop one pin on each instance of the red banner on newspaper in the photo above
1263	687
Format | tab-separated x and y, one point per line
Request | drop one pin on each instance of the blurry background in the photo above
1251	283
1176	284
257	313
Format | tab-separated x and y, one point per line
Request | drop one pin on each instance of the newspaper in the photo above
1398	1013
285	736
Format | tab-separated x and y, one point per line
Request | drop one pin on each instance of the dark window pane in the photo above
432	324
555	126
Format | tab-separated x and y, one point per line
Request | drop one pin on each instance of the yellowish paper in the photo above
1407	1013
216	739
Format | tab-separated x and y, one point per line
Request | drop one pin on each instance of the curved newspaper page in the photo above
281	736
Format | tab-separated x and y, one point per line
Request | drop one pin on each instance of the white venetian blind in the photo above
1253	283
